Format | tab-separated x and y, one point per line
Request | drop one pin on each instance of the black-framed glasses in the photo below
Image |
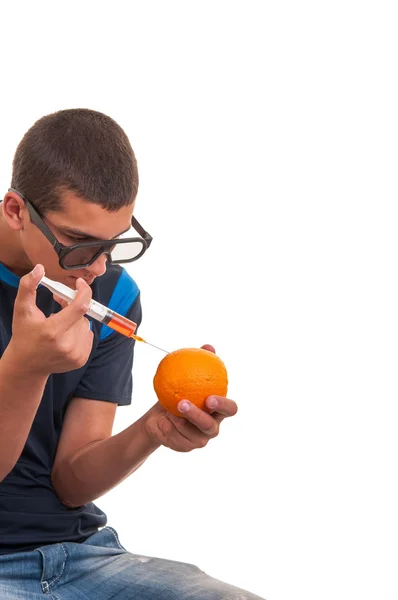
84	254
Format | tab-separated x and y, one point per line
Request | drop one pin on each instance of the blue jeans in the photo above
101	569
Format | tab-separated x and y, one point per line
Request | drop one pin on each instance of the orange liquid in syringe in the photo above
123	326
127	328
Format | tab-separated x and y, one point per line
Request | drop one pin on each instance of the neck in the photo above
12	254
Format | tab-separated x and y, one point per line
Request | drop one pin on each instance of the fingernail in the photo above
36	270
80	283
212	402
184	406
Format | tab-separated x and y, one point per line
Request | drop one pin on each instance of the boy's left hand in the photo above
198	426
193	431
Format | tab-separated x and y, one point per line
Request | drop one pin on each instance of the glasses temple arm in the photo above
139	229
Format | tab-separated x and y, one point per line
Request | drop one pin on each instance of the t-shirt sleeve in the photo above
109	373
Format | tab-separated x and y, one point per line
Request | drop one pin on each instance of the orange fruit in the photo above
189	374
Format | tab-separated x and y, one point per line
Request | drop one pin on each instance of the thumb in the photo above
27	287
209	347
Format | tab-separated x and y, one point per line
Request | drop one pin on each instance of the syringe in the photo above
98	311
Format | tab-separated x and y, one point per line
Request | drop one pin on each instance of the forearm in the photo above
102	465
20	395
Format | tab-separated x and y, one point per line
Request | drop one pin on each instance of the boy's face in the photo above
78	221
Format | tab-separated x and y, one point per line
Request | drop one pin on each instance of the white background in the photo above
266	136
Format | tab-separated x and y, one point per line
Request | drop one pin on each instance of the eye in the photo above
76	239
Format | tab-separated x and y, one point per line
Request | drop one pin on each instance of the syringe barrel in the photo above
95	310
109	317
99	311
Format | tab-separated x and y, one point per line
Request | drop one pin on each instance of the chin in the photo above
70	280
63	277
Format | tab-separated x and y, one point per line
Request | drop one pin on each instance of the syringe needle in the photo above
140	339
162	349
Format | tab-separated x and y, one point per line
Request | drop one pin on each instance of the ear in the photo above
15	211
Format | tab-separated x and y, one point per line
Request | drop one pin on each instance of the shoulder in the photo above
116	289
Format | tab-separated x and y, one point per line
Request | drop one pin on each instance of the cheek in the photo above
39	250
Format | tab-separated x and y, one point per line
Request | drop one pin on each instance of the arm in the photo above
38	346
20	396
89	460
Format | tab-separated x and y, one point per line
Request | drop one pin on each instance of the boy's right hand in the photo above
59	343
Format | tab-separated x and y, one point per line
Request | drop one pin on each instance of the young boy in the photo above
72	195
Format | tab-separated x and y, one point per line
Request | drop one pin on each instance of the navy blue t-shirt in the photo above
31	515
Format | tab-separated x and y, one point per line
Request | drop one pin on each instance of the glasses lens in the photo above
126	251
81	256
120	252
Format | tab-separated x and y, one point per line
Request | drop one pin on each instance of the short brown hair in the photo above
77	150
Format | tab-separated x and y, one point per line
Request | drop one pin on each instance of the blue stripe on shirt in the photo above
9	277
123	296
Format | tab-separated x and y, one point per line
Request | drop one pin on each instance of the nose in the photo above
98	267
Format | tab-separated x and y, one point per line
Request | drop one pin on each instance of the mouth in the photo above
88	280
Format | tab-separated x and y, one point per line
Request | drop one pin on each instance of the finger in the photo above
200	418
87	335
69	315
26	296
223	406
191	432
60	301
209	348
169	436
84	325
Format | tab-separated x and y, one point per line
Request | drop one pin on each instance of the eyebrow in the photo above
83	234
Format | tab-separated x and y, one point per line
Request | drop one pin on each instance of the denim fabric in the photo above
101	569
